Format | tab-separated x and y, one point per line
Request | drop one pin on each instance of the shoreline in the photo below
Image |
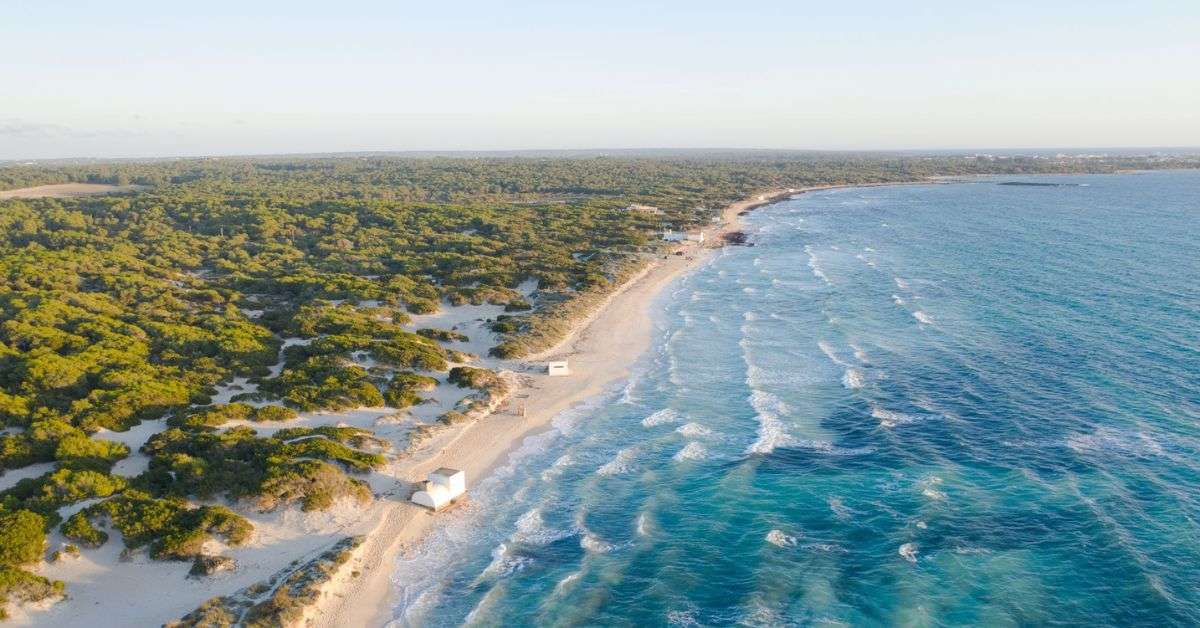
601	348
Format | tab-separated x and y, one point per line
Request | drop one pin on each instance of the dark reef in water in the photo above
735	237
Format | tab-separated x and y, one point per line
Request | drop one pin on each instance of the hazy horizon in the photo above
139	80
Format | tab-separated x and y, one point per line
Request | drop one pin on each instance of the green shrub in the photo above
444	335
22	538
402	390
171	529
54	490
273	413
24	587
83	452
78	527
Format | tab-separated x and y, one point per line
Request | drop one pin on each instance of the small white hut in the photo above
444	486
557	369
680	236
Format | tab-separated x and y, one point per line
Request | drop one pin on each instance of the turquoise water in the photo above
965	404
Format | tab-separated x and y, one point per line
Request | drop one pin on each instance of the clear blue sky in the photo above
185	78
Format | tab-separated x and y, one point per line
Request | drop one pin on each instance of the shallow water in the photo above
962	404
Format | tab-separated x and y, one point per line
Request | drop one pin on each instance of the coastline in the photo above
601	350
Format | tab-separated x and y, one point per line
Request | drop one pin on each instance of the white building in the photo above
443	487
557	369
679	236
646	209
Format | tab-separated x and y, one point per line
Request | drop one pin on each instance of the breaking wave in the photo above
662	417
621	463
815	266
779	538
692	430
692	451
772	432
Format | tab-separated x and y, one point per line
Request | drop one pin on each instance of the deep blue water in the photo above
965	404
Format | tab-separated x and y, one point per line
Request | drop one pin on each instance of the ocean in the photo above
928	405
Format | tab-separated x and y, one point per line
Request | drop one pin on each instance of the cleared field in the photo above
64	190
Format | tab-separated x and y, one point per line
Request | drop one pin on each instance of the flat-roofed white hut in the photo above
557	369
444	486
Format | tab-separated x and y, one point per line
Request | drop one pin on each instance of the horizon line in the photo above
599	152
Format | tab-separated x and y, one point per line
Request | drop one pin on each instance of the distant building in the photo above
679	236
645	209
444	486
557	369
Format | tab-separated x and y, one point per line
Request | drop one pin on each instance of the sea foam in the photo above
815	266
830	353
692	430
772	432
692	451
662	417
780	539
621	463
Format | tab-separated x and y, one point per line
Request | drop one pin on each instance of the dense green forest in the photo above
120	309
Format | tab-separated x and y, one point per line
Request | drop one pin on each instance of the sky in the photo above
144	79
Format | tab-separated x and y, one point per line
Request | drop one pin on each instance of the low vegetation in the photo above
304	465
280	601
22	543
168	528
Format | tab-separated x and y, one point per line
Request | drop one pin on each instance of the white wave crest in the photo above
692	451
662	417
566	582
621	463
553	470
531	530
595	545
780	539
772	432
682	618
929	488
504	564
815	266
889	418
853	378
900	283
830	352
750	316
923	317
692	430
1107	439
